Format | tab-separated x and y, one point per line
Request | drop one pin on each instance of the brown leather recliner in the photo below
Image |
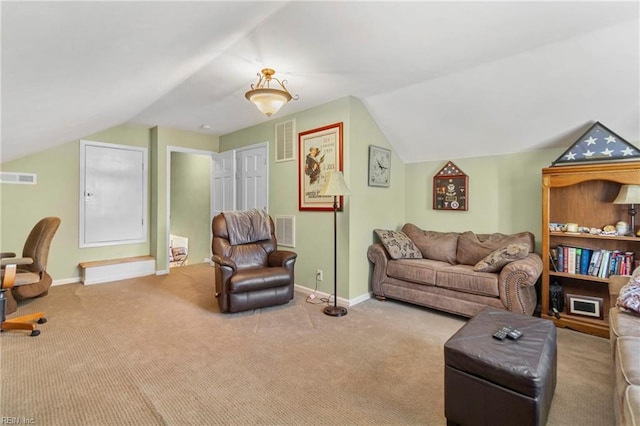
253	274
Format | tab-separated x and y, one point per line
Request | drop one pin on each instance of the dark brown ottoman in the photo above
493	382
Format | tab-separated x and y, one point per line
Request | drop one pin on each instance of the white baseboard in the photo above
66	281
341	301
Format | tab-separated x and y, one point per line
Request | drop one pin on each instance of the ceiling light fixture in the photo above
268	100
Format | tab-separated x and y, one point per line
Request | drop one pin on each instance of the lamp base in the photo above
335	311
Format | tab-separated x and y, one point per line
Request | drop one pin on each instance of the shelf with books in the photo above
589	261
584	195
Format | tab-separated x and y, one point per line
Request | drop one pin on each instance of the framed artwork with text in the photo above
451	189
319	152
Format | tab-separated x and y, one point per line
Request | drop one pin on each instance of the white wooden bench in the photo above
102	271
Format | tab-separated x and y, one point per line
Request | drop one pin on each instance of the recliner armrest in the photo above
224	261
281	257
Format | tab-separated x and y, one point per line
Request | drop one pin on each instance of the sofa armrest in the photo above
516	283
616	282
378	255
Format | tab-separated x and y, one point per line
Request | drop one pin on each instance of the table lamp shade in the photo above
629	194
334	185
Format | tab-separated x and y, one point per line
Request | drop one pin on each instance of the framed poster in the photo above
379	166
322	152
451	189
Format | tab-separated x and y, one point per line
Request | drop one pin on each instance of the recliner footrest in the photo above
253	279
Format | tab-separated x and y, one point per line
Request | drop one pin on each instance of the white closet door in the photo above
253	178
113	195
223	192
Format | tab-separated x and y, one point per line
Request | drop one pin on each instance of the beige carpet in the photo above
156	351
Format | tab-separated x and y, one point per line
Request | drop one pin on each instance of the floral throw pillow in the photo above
398	245
495	261
629	297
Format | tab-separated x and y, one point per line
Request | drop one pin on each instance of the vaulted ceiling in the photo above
442	80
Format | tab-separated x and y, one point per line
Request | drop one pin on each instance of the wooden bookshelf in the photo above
584	194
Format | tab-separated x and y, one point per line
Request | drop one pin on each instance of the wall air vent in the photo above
19	178
285	144
286	230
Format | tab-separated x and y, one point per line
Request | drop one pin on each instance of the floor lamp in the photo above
335	186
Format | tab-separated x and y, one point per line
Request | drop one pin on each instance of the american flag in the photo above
598	144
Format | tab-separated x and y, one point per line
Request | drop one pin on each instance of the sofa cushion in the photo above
463	278
421	271
473	247
433	245
631	412
398	245
629	298
627	368
622	323
498	258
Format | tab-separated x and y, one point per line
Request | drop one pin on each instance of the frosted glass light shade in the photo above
268	101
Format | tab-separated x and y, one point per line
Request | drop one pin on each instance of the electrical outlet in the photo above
319	274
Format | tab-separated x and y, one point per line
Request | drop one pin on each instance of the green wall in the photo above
362	211
190	202
162	139
57	194
504	194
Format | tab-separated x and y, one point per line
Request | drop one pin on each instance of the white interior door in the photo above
223	186
113	186
253	179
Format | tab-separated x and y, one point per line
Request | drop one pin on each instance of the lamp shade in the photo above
629	194
268	101
335	185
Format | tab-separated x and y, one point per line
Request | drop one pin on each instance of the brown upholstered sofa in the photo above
624	331
443	277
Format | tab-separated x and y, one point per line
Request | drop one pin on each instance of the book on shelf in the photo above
594	265
560	264
604	270
571	260
629	263
553	261
585	258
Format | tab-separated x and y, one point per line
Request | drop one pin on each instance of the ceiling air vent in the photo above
285	144
286	230
18	178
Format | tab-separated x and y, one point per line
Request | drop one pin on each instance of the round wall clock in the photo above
379	166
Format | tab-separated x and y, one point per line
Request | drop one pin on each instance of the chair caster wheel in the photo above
42	320
35	333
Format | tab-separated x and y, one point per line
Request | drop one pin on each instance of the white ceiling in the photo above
442	80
